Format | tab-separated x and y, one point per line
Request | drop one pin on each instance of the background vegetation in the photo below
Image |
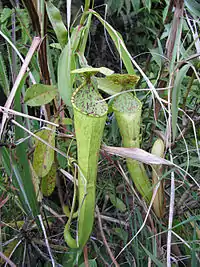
161	45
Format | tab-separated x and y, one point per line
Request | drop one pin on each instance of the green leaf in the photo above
176	96
56	46
121	234
85	34
21	167
39	94
67	121
71	257
92	71
136	5
49	181
4	77
92	263
118	203
14	171
147	4
119	43
193	6
43	157
116	83
5	15
108	86
153	257
57	23
157	54
67	63
65	78
62	145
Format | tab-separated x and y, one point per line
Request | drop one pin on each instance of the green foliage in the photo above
39	94
39	158
57	23
43	157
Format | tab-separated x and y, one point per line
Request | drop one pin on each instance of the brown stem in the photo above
85	253
104	238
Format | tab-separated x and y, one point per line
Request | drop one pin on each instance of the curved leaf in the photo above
92	71
39	94
119	43
116	83
57	23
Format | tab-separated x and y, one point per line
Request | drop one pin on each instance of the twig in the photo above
85	253
7	259
170	222
22	71
172	190
40	139
110	219
54	213
104	239
46	240
41	253
17	113
55	247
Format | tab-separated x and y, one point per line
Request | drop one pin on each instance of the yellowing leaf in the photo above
116	83
136	154
92	71
39	94
49	181
43	157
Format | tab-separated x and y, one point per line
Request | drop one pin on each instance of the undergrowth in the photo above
153	47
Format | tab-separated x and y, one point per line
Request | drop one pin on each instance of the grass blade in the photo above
117	39
176	96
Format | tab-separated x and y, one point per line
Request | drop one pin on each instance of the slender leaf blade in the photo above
57	23
176	96
118	40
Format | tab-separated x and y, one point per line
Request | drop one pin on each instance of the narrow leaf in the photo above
136	154
91	263
176	96
193	6
65	65
148	4
57	23
153	257
136	5
4	77
118	41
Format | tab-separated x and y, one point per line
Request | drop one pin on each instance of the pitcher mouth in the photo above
126	103
86	100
